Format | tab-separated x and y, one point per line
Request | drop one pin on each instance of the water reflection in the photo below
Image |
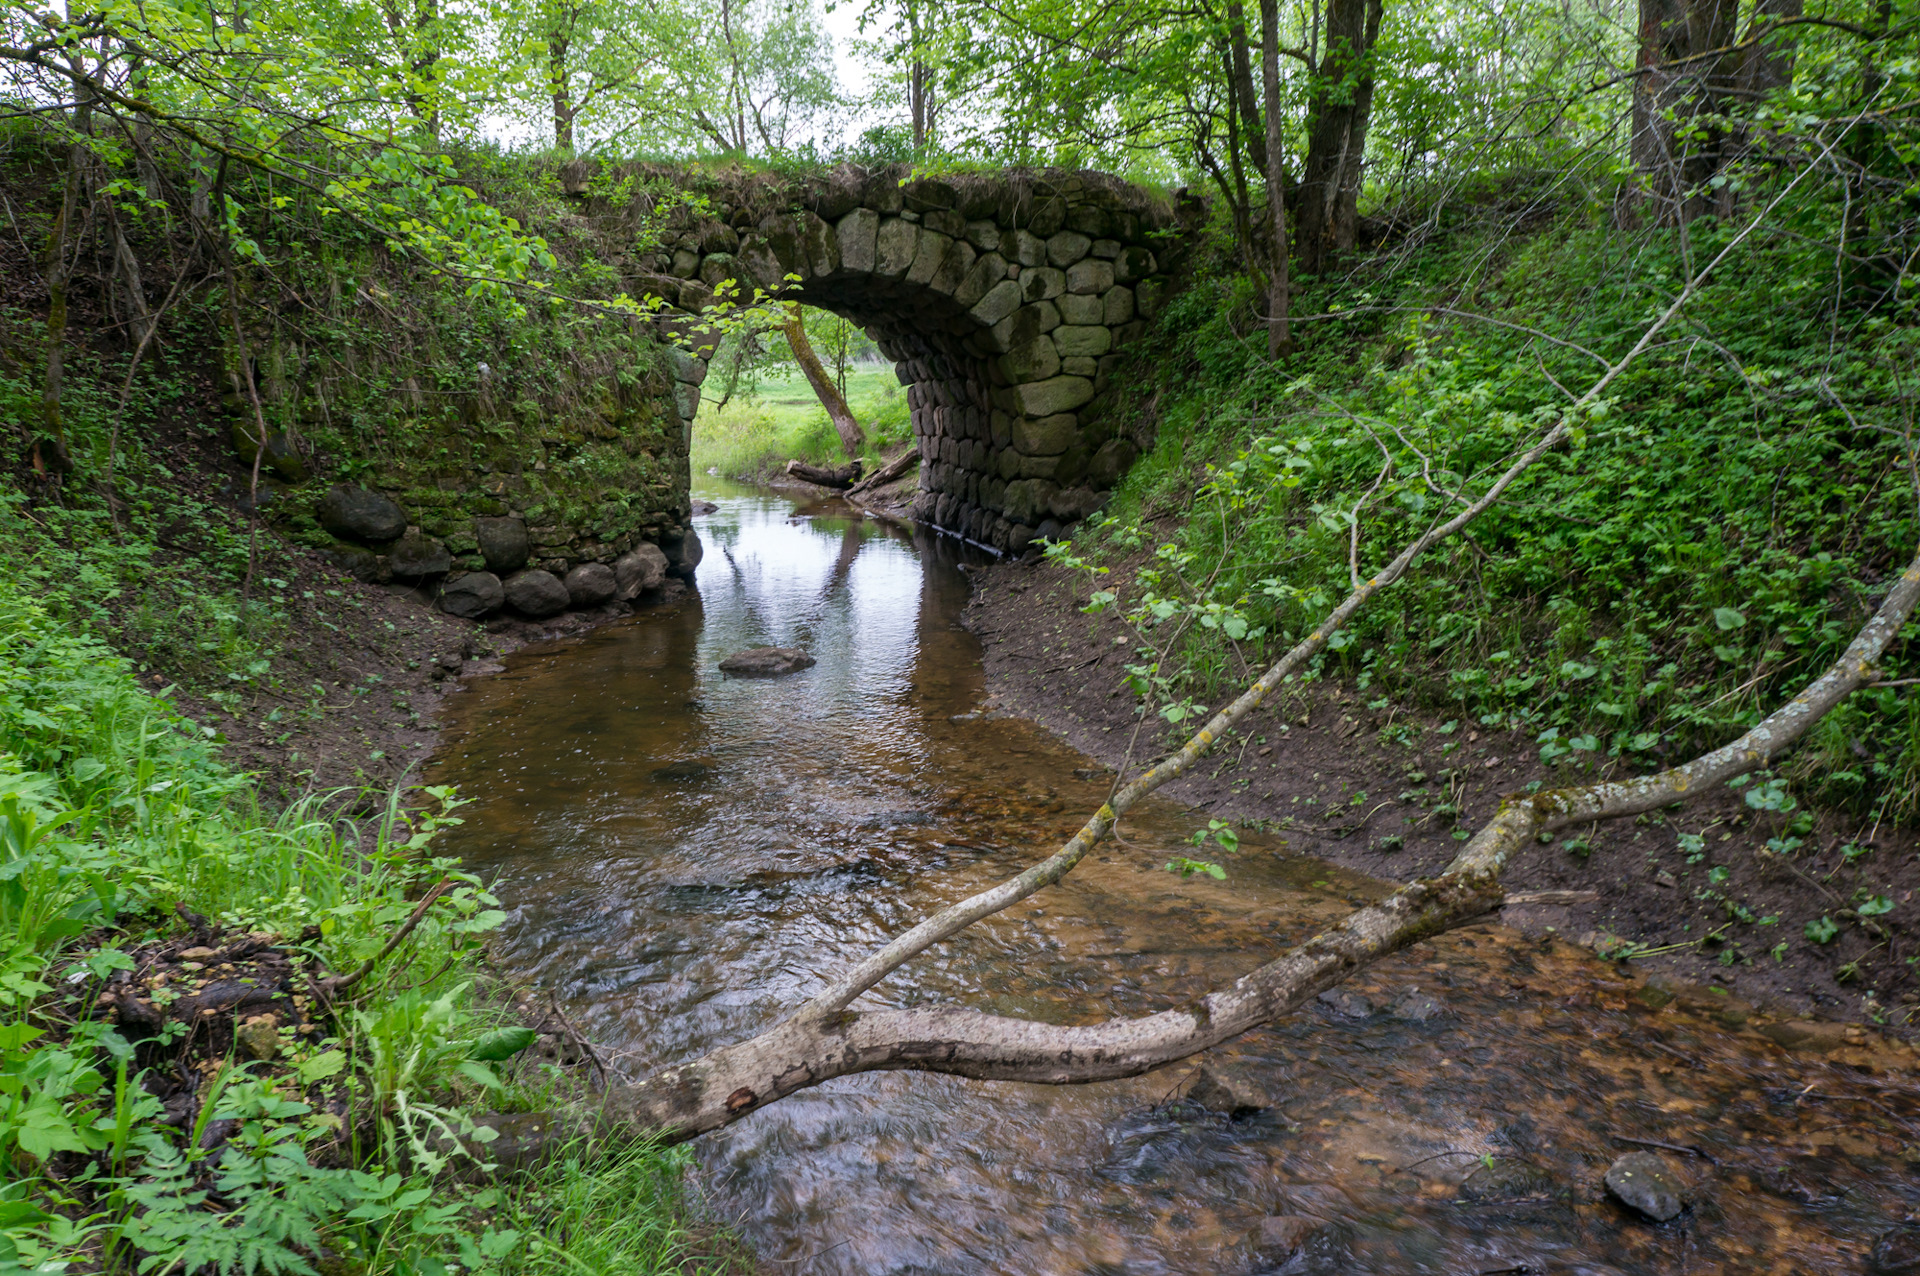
685	854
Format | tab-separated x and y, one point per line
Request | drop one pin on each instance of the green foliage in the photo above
112	808
1716	532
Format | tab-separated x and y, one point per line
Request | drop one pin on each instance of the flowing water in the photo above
685	854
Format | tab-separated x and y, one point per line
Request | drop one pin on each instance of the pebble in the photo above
1648	1184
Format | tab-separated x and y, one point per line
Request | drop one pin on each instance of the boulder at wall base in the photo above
1648	1184
635	573
362	564
417	554
503	543
472	595
282	458
766	662
591	585
683	553
354	513
535	593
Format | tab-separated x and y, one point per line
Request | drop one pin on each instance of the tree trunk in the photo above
1680	79
1338	111
1279	336
1768	64
49	450
563	108
1246	105
852	437
887	473
839	478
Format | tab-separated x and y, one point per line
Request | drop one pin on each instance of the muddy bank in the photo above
1383	789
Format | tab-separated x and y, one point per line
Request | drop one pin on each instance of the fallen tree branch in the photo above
841	477
887	473
334	985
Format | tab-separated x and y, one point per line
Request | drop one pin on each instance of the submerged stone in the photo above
1648	1184
766	662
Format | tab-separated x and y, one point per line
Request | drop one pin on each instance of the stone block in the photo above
686	369
591	585
1091	276
759	266
686	263
894	248
1032	360
1067	247
686	400
1054	395
718	237
1111	462
1039	467
858	236
954	268
1007	463
1000	301
819	246
535	593
1105	249
1092	341
1091	220
984	235
1048	216
1026	248
1080	366
1116	306
781	234
1042	283
1133	263
1046	436
472	596
716	269
1076	309
928	256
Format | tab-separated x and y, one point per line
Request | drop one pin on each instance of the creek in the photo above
685	854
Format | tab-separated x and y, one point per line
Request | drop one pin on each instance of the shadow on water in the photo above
685	854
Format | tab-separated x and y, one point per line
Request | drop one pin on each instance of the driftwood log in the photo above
887	473
840	478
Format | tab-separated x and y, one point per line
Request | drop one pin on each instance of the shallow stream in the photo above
685	854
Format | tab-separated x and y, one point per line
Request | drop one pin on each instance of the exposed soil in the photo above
1392	792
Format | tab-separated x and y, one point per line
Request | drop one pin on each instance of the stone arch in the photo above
1003	300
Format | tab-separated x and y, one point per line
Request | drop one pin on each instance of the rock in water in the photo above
419	555
635	573
591	585
1648	1184
1896	1252
503	542
766	662
354	513
1233	1088
535	593
472	595
683	553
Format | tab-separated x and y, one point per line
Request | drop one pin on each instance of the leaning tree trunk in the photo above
1338	113
1279	337
49	450
852	437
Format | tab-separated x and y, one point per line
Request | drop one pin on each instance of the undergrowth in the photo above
1725	519
119	829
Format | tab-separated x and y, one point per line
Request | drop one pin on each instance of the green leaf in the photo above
1821	930
501	1044
1727	618
328	1063
1876	906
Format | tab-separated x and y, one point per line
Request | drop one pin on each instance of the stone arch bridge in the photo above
1003	300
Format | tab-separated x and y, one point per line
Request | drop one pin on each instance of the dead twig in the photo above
333	985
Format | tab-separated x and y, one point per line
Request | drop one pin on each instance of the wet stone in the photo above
1896	1252
1418	1007
1342	1004
766	662
591	585
503	542
1233	1088
1648	1184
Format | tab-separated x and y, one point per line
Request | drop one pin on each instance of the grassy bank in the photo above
779	420
1726	517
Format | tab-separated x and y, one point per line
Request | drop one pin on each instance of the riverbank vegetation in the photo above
1627	305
